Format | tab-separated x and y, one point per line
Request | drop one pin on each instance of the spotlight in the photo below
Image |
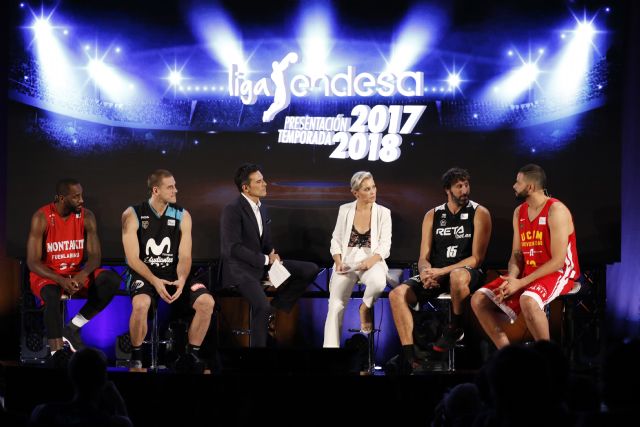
175	77
42	28
453	80
585	30
529	72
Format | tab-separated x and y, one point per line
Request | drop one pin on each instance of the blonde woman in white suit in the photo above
361	242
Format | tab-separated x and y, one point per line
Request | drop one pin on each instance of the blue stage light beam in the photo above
413	38
112	84
218	32
516	82
56	72
315	28
573	63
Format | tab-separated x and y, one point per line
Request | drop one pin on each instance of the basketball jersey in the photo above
63	245
159	238
535	242
452	234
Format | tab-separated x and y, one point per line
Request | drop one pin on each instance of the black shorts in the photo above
423	295
195	286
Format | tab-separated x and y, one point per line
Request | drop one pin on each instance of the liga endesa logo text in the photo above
282	87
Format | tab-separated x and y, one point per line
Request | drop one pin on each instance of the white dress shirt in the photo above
255	207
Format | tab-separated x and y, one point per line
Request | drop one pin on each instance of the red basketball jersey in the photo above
535	242
63	249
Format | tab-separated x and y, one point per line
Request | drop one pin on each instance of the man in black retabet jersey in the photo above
455	236
156	235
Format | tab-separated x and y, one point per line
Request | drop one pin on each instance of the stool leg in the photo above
452	351
371	342
154	341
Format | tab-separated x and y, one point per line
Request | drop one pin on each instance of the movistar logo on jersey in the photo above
457	231
152	246
158	254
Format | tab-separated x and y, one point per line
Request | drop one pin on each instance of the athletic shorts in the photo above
423	295
193	288
38	282
543	290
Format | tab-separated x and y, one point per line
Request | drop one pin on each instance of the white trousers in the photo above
340	288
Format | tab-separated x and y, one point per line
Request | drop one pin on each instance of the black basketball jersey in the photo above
452	238
159	238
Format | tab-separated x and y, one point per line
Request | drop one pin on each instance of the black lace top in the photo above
357	240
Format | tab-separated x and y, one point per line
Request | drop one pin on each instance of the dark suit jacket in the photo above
242	249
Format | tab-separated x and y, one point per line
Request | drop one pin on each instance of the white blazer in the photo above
380	230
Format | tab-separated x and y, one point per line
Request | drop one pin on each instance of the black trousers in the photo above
302	274
99	295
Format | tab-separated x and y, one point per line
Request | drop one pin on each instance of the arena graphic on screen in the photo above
314	93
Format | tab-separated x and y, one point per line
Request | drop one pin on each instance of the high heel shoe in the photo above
366	322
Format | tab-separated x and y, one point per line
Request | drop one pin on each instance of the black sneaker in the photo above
72	337
420	367
449	338
189	363
59	359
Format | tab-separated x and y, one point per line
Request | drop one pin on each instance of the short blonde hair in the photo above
357	178
156	177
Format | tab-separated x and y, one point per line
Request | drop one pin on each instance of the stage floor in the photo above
239	399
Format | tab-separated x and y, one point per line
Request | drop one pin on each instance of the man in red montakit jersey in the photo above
543	264
63	235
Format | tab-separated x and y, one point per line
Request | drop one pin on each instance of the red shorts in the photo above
37	283
543	290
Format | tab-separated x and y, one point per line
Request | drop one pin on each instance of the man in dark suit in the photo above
247	254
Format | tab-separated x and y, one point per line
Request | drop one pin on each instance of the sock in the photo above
79	321
408	352
456	320
193	349
136	353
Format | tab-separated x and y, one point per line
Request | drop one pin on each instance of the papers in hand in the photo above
278	273
348	268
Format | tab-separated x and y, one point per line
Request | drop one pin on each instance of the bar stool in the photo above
155	340
451	354
371	363
565	334
232	291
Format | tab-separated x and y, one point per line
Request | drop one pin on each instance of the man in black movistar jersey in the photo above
156	235
455	236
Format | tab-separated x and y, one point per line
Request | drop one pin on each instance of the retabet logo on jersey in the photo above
457	231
